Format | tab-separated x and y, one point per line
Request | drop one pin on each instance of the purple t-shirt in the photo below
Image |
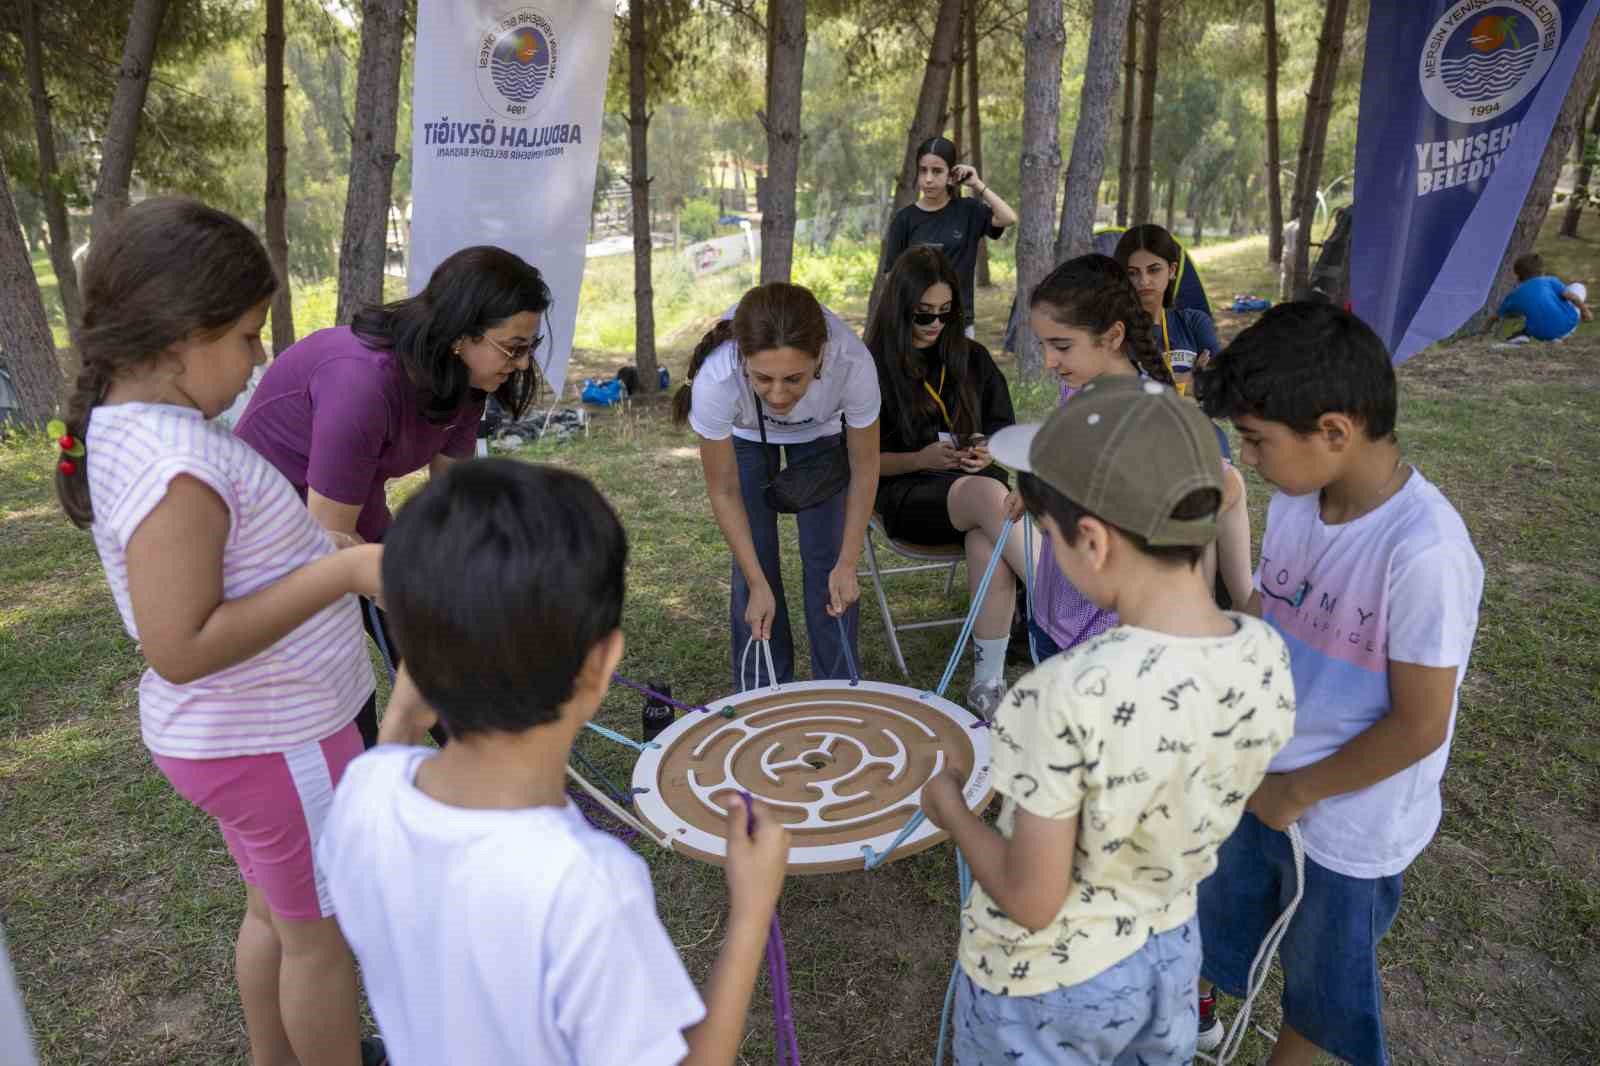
337	416
1066	614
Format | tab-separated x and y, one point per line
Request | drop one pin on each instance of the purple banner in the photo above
1458	98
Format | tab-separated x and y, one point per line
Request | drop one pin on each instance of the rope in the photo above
597	817
1262	964
760	647
378	634
615	811
1027	562
972	613
612	734
849	660
784	1036
964	880
623	798
646	690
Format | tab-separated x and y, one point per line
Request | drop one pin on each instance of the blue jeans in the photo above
1331	990
1139	1011
1043	645
821	536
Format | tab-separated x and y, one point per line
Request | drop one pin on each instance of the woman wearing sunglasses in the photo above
942	397
346	410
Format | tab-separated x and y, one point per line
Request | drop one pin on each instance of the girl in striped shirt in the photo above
240	603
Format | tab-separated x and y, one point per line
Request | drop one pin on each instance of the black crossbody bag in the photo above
807	482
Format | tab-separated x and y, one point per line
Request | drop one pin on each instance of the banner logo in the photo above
516	61
1481	59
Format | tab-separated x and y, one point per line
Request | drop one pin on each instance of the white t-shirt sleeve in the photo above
861	400
624	995
1433	604
714	394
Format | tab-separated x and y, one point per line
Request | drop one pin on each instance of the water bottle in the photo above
658	713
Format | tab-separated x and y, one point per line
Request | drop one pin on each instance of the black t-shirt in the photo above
956	228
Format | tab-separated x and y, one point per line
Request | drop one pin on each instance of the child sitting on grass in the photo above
1371	578
1549	308
493	923
1123	763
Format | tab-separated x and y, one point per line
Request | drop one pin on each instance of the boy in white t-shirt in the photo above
493	923
1371	577
1125	762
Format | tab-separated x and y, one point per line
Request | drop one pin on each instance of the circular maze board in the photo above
841	765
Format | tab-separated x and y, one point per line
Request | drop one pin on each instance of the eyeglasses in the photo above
928	318
517	353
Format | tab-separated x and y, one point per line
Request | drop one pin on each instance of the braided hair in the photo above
168	270
1093	293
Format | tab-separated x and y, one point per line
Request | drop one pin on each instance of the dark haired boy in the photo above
1371	577
1123	763
493	923
1549	308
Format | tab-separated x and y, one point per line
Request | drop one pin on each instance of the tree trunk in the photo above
925	121
1172	203
1197	211
1319	105
1043	44
25	339
644	293
975	140
786	65
362	249
122	126
1088	163
1586	156
956	93
1530	219
1130	82
55	205
277	181
1274	187
1143	175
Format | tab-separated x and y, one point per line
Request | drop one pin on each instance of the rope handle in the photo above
849	659
760	647
785	1037
978	597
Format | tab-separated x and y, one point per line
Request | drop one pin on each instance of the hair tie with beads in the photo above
70	447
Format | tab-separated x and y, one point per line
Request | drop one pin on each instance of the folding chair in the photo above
927	557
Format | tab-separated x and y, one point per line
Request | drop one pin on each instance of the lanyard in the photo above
938	401
1166	344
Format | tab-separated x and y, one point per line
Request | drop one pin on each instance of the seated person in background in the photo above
1184	336
942	395
493	923
1549	309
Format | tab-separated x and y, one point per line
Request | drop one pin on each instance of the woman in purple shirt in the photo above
347	409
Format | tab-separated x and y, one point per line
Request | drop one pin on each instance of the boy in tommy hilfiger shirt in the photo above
1371	578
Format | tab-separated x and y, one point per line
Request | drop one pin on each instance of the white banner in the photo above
505	139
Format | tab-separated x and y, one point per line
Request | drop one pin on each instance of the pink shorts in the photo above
271	809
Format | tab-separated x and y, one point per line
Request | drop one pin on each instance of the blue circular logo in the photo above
1481	60
517	59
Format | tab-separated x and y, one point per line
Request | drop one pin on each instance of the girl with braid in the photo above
242	607
1090	323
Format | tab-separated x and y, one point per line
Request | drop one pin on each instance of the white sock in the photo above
989	658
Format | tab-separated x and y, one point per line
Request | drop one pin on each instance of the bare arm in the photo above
1417	723
407	716
439	464
1233	545
187	629
1004	215
337	518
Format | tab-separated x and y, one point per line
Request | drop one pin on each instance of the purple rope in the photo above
600	818
786	1041
653	694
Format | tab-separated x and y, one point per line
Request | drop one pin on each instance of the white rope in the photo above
1262	965
612	808
760	647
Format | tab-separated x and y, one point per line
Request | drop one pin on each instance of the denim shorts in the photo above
1142	1010
1331	994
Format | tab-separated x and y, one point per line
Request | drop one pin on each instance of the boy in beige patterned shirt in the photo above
1123	764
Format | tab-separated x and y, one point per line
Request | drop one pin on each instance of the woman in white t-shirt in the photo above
780	372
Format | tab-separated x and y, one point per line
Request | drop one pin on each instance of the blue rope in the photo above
977	605
1027	559
612	734
964	879
849	660
623	799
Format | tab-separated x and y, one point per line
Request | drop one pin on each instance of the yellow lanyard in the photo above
938	401
1166	344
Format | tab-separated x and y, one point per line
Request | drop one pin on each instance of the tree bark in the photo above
1319	105
975	140
1130	82
1530	220
363	247
1088	163
956	93
122	126
644	294
55	204
1043	44
1143	175
1274	186
1172	203
277	198
925	121
25	338
1586	156
786	63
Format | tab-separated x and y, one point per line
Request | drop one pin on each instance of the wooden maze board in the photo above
842	766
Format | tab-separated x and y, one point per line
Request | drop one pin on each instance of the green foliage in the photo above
698	219
844	272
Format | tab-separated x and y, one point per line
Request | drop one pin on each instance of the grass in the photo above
120	901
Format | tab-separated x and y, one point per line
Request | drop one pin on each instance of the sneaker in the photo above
1209	1037
983	698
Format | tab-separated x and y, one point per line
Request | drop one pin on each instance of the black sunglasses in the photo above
928	318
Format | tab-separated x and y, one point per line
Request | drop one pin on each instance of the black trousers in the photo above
376	623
